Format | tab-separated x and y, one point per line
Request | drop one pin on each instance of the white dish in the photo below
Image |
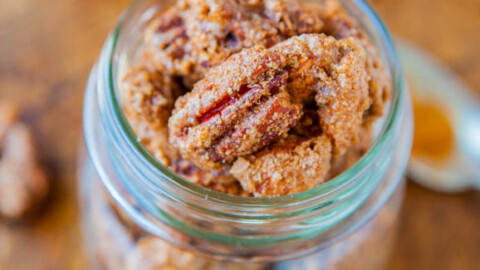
434	82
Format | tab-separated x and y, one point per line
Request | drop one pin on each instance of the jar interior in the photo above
318	217
128	43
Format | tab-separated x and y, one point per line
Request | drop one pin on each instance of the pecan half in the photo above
240	106
288	166
148	99
148	95
334	71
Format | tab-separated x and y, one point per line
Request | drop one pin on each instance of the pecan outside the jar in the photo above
23	182
147	99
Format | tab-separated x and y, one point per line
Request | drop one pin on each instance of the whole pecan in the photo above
148	99
23	182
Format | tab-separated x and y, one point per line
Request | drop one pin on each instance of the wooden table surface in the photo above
46	53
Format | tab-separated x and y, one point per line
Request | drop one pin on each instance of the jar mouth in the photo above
325	189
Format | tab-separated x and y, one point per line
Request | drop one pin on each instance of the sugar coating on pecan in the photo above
334	70
148	98
338	24
148	101
256	96
149	95
285	167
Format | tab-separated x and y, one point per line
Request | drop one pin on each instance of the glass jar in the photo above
139	215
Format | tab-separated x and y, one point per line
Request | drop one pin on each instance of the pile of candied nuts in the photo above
256	98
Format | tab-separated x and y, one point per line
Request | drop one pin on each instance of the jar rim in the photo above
316	193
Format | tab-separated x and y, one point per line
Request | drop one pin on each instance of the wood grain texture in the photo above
46	53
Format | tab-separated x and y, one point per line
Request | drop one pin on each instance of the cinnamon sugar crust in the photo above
338	24
148	102
285	167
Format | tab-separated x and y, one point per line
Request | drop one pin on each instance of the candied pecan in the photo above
155	139
148	101
291	18
168	47
339	25
343	102
149	95
335	71
23	182
285	167
220	28
240	106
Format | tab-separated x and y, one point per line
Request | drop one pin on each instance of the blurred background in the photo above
46	52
